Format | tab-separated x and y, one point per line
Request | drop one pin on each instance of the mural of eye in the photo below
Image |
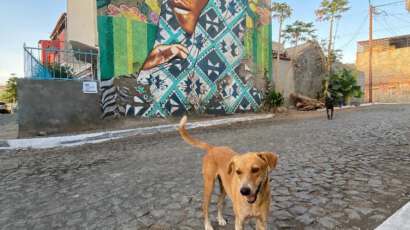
189	53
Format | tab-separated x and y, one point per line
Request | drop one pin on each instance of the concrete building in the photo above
75	30
302	70
391	70
49	48
73	45
82	22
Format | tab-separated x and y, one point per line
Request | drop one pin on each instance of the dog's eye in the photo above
239	172
255	170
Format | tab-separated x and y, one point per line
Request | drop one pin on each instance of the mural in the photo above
169	57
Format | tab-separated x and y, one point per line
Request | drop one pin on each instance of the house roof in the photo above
60	26
294	52
401	37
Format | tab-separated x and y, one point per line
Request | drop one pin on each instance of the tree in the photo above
299	32
10	94
335	55
343	85
331	10
280	11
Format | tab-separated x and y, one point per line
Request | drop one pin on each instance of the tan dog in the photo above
245	178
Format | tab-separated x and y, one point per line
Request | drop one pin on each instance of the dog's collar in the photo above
258	190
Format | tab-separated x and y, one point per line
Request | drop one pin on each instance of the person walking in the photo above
329	103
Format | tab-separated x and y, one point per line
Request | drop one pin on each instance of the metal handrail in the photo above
55	63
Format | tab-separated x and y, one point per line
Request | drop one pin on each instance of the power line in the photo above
400	18
359	29
378	30
389	4
386	25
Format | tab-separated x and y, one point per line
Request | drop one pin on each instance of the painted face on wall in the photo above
187	12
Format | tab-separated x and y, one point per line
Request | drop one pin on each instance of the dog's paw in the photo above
208	226
221	221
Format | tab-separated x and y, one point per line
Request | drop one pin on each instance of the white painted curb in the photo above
400	220
74	140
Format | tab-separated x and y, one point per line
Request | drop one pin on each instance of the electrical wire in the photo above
359	29
387	27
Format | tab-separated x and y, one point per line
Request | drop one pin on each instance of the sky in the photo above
24	21
28	21
392	20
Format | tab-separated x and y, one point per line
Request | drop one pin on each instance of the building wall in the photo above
229	57
47	56
304	74
309	71
55	106
285	82
82	21
391	73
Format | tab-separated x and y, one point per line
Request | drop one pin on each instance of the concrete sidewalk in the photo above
98	137
400	220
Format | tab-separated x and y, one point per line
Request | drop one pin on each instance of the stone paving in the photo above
8	126
350	173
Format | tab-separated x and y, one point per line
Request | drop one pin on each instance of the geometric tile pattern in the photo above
216	50
208	79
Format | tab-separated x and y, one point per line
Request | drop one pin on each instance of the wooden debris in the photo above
304	103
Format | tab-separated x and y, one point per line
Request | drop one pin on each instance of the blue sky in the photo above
24	21
27	21
354	25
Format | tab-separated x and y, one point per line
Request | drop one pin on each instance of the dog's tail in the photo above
188	138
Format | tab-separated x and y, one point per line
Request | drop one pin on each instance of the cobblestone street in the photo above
349	173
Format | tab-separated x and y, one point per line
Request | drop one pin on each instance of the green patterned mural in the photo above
124	45
161	58
126	35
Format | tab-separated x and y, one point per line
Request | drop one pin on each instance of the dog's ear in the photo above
271	159
231	167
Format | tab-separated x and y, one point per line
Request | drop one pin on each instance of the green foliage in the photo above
281	10
273	99
60	71
10	94
343	85
299	32
331	9
335	55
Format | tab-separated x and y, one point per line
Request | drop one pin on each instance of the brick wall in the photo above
391	73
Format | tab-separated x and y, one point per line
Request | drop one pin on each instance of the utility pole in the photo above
371	11
279	46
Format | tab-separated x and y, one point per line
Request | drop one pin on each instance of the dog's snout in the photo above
245	191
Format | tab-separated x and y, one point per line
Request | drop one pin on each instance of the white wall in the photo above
285	82
82	21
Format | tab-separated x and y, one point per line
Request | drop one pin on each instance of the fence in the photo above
52	63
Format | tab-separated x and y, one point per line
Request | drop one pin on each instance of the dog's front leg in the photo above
261	223
239	223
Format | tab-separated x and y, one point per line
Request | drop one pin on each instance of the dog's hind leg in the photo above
221	203
209	182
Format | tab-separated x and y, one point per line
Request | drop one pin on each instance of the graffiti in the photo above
199	56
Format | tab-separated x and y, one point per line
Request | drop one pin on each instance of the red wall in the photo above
49	57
